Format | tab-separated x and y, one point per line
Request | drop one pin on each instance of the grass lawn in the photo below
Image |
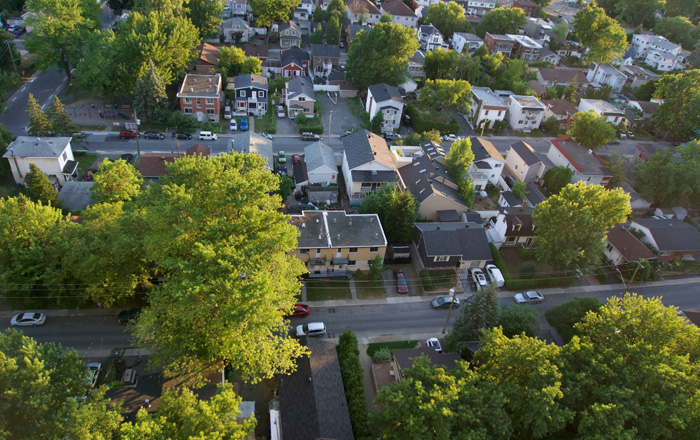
372	348
534	133
681	268
444	279
367	288
327	289
268	123
85	161
513	261
357	109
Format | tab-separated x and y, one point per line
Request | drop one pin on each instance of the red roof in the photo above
153	164
566	138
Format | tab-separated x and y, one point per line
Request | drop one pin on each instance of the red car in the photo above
296	159
126	134
401	285
298	311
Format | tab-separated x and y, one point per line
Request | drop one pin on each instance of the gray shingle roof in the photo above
373	176
325	50
465	239
249	142
300	85
26	146
364	147
510	198
319	154
384	92
76	196
294	55
250	80
672	235
484	149
526	153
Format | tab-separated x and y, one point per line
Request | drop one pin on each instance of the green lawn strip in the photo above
444	279
372	348
366	288
267	123
327	289
85	161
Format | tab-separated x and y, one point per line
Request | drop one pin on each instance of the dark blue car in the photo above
244	124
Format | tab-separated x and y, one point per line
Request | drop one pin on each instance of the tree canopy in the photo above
557	178
501	21
679	114
459	158
517	319
271	11
448	18
564	317
397	210
440	63
604	37
476	315
591	130
149	96
679	30
116	182
233	62
39	187
442	95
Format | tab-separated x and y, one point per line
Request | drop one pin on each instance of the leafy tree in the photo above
638	12
233	62
286	187
570	91
377	122
459	158
386	18
572	225
116	182
149	96
518	319
96	71
416	138
215	231
441	95
376	267
564	317
501	21
40	383
465	189
519	190
61	123
591	130
59	30
40	188
396	210
603	36
680	30
206	16
270	11
551	125
679	114
317	36
686	8
174	8
39	123
646	91
333	31
440	63
381	55
182	416
555	179
670	178
468	68
562	29
476	315
448	18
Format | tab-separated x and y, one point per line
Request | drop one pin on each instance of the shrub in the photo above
601	275
527	270
354	383
382	355
421	124
564	317
526	253
517	319
426	280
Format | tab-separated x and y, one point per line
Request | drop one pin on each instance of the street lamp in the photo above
330	127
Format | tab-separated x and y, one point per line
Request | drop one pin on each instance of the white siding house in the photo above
53	155
387	99
525	112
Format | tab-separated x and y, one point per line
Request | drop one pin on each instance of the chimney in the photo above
191	89
522	207
209	79
371	219
376	235
320	237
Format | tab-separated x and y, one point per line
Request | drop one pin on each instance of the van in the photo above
227	112
207	136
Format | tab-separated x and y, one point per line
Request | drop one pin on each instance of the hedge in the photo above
521	284
427	280
526	253
354	383
421	125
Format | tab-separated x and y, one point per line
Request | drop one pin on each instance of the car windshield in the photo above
36	316
401	282
305	327
529	295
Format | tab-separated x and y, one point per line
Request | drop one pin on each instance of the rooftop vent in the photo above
303	225
338	236
350	222
371	219
376	235
320	237
335	219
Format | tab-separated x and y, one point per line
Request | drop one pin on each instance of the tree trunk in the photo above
66	66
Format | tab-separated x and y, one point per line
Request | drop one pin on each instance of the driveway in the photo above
286	126
343	119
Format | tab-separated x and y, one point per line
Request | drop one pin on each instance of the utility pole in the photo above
330	125
449	312
138	148
9	51
633	275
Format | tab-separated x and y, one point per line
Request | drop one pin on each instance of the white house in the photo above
387	99
606	75
643	44
430	38
487	165
525	164
585	163
525	112
487	106
367	164
402	14
465	40
362	10
320	164
602	108
234	25
53	156
664	61
479	7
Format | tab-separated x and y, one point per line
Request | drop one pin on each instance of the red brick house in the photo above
499	43
295	62
526	5
200	96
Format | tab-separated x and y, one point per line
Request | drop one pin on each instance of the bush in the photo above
421	124
183	122
526	253
382	355
564	317
426	280
354	383
517	319
601	275
527	270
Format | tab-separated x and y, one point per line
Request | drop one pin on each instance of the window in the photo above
498	165
374	249
188	110
210	111
441	259
199	103
242	93
520	122
210	101
261	94
65	156
511	240
352	262
301	99
304	251
188	100
664	253
609	247
352	250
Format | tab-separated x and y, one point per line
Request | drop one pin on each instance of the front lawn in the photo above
444	279
268	123
368	288
372	348
327	289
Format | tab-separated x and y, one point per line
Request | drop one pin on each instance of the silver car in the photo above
28	319
479	278
311	329
531	297
93	369
443	302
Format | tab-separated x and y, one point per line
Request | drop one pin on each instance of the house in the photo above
562	109
295	62
673	238
512	227
636	75
600	75
355	29
324	57
76	196
416	66
207	58
152	166
487	165
525	112
290	35
528	6
466	40
499	43
602	108
320	164
549	56
536	27
664	61
387	99
487	106
198	150
403	359
525	48
479	7
561	77
299	96
646	108
235	26
240	7
250	94
333	243
642	44
261	51
586	164
621	246
402	14
637	203
249	142
200	95
430	38
536	87
53	156
427	179
533	197
363	11
455	245
312	402
367	164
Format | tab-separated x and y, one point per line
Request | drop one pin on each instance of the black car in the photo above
128	158
185	136
153	135
127	315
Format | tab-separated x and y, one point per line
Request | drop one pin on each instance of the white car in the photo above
479	278
450	137
434	343
227	112
531	297
495	275
94	369
311	329
280	112
207	136
233	125
28	319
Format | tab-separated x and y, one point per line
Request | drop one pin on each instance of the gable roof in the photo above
294	55
319	154
404	357
237	20
76	196
384	92
152	165
300	85
364	147
672	234
289	25
468	240
30	146
423	178
397	8
359	6
519	225
563	75
561	107
198	149
325	50
261	51
355	29
579	157
250	142
250	80
648	107
208	54
526	153
484	149
629	246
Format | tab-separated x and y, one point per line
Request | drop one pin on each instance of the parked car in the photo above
28	319
306	136
244	124
207	136
298	311
347	133
233	125
261	36
280	112
479	278
614	142
495	275
94	369
443	302
126	134
623	135
311	329
182	136
450	137
227	112
128	158
281	157
273	39
153	135
434	343
531	297
630	135
266	136
401	285
391	136
296	159
341	44
125	316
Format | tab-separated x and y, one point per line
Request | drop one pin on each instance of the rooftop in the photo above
364	147
424	178
206	86
153	165
404	357
561	107
251	142
486	95
526	153
467	240
562	76
519	225
629	246
76	196
29	146
524	40
318	155
325	50
585	161
254	50
359	6
603	107
499	37
208	54
397	9
671	234
607	69
468	37
300	85
294	55
250	80
384	92
337	229
484	149
527	101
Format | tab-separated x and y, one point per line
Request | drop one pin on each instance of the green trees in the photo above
476	315
353	382
679	114
680	30
270	11
54	123
205	15
459	158
591	130
440	63
381	55
572	225
377	122
448	18
686	8
149	96
233	62
396	210
518	319
317	36
40	188
519	189
333	31
501	21
603	36
638	12
557	178
564	317
116	182
441	95
39	124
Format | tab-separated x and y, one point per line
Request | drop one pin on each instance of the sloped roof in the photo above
250	80
261	51
424	178
467	240
287	25
76	196
198	149
579	157
671	234
250	142
208	53
562	107
364	147
294	55
526	153
563	75
153	164
484	149
325	50
319	154
300	85
397	8
524	221
29	146
384	92
629	246
358	6
404	357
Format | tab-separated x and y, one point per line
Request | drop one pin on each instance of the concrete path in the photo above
353	291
